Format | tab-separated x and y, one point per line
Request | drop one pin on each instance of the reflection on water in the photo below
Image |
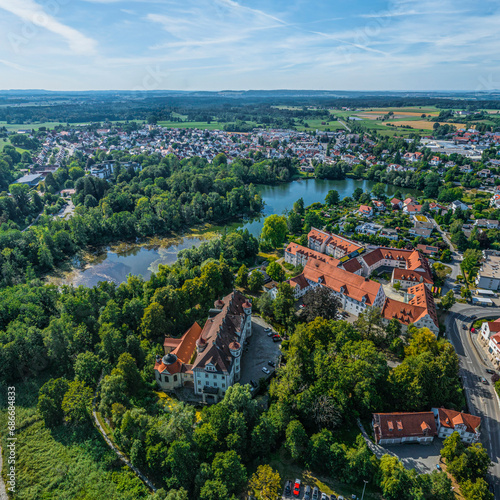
117	263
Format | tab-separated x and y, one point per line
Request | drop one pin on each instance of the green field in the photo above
66	462
317	125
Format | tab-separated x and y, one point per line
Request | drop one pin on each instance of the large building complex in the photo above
344	267
488	276
208	359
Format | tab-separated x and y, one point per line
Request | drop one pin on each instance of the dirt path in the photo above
3	489
121	456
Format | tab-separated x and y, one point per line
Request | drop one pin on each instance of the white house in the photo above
449	421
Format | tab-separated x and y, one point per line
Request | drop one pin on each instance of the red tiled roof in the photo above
398	425
451	418
337	279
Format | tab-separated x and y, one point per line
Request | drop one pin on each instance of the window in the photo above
223	385
199	382
206	375
175	378
165	378
215	384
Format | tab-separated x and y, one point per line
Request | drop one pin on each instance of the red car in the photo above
296	488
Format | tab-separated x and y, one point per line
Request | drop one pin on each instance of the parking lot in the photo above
261	350
303	490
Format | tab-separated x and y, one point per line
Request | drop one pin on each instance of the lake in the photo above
116	263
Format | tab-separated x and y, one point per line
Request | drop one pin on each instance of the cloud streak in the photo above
31	12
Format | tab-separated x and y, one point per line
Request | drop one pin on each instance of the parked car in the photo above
333	497
267	329
315	495
438	467
307	493
253	383
296	488
276	339
265	370
270	333
473	330
276	336
464	327
484	381
473	317
271	363
288	489
324	496
490	371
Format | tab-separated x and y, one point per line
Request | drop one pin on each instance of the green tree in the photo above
227	468
77	402
255	281
332	197
357	193
274	230
296	439
87	368
154	321
214	489
242	276
50	399
470	465
265	483
476	490
275	271
448	300
379	190
294	222
298	206
395	481
320	302
284	305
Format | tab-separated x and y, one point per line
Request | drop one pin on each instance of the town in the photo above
390	276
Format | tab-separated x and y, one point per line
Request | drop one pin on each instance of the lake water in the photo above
115	264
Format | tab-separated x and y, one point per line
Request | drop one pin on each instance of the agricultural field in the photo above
424	124
214	125
318	125
28	126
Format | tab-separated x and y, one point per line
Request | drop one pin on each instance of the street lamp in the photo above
366	482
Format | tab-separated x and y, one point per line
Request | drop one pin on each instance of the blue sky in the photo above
250	44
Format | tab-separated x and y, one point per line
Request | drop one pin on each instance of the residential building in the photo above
449	421
208	359
455	205
419	311
365	211
428	250
397	428
355	292
332	244
297	255
488	276
396	204
487	223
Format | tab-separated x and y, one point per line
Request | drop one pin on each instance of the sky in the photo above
249	44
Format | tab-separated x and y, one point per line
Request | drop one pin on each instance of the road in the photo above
456	259
481	399
344	124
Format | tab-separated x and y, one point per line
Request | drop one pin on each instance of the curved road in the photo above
482	400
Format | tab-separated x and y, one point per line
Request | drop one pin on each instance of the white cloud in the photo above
31	12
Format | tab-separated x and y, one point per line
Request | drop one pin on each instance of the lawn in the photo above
66	462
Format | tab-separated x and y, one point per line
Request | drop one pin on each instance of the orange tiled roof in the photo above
451	418
339	280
